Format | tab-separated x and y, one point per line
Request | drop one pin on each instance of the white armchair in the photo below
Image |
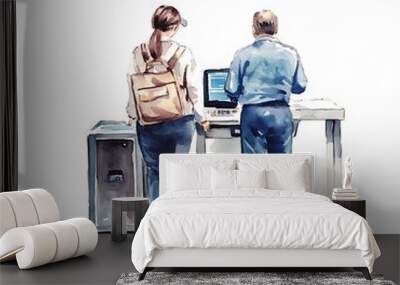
31	230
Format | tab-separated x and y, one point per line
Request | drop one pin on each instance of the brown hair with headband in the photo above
165	18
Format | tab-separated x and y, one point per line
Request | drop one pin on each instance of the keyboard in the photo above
222	115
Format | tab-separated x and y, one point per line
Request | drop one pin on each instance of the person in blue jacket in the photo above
262	77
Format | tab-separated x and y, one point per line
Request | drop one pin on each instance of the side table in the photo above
357	206
120	208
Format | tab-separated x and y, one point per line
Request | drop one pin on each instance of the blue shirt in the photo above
264	71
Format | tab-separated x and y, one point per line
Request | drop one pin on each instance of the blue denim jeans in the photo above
266	128
167	137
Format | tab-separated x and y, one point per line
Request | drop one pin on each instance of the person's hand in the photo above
206	125
131	121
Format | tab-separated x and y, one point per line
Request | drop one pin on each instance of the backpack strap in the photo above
145	53
185	86
177	55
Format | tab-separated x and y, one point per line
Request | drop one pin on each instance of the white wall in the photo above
72	57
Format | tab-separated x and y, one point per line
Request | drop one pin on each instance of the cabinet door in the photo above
115	177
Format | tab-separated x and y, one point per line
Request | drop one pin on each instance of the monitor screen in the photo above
214	89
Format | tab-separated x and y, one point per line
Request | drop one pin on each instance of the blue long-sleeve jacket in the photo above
267	70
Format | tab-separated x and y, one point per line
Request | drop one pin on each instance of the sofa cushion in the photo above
7	220
23	208
45	205
40	244
32	246
67	240
27	208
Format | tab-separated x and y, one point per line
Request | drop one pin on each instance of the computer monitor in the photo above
214	89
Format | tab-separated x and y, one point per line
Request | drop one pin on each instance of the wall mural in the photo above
251	99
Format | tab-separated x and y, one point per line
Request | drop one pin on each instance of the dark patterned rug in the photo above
243	278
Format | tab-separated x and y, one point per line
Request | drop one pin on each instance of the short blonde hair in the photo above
265	22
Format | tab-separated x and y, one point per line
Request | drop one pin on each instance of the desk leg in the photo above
296	124
200	140
334	154
140	210
117	221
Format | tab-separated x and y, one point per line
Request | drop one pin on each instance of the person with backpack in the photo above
262	77
164	97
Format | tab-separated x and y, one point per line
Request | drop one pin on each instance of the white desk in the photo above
302	110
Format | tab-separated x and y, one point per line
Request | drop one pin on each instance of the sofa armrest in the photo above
40	244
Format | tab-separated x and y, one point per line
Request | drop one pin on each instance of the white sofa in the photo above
31	231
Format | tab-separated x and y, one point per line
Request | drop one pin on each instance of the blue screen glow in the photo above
216	84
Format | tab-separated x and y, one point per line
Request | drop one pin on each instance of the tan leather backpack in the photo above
158	95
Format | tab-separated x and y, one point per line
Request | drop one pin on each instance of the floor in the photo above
110	260
103	266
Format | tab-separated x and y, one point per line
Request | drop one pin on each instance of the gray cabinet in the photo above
115	169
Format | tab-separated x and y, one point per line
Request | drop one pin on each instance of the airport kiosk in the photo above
224	117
